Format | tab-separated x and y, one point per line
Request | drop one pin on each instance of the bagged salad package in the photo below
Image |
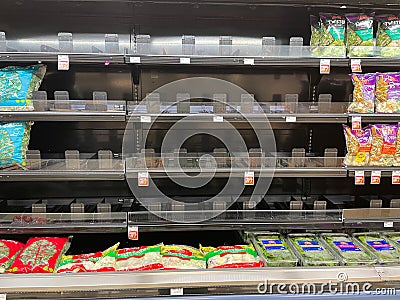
238	256
360	34
17	85
386	251
40	255
388	93
396	160
139	259
14	141
350	251
383	147
363	93
8	252
332	39
315	24
311	251
176	257
388	35
358	143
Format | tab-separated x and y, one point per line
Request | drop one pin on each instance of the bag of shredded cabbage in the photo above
238	256
175	257
14	141
139	259
8	252
17	85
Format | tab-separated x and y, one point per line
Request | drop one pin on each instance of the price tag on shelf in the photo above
376	177
325	66
388	224
356	65
145	119
248	61
3	296
356	123
133	233
218	119
359	178
249	178
134	60
143	178
63	62
176	292
291	119
185	60
396	177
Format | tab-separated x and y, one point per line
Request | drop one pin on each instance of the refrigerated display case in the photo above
256	145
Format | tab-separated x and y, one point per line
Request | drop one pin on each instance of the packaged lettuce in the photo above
275	250
238	256
139	259
14	140
396	160
388	35
383	148
349	250
8	252
311	251
332	38
363	93
315	24
176	257
17	85
388	93
360	34
359	144
383	249
394	237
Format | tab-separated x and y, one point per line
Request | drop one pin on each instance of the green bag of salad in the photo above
360	34
333	29
388	35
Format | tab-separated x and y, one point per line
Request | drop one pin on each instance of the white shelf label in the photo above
376	177
388	224
356	123
218	119
63	62
291	119
3	296
249	178
176	292
145	119
359	178
185	60
133	233
325	66
134	60
248	61
396	177
143	178
356	65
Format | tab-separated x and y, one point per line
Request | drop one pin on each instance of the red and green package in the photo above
139	259
238	256
40	255
180	257
8	252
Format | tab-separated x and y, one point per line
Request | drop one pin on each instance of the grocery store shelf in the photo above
66	170
234	219
385	171
371	218
50	223
380	61
215	279
367	118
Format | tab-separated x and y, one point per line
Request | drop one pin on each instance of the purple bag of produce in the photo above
363	93
388	93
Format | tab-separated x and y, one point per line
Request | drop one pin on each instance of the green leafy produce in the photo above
360	34
382	247
394	237
313	253
332	40
315	34
388	35
276	251
351	253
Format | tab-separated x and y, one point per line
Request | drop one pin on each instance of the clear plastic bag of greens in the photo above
360	35
388	35
383	248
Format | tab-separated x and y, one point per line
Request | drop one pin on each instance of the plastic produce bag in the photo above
40	255
275	250
396	161
386	251
139	259
182	257
359	143
388	93
238	256
360	34
8	252
383	145
333	29
363	93
14	141
17	85
315	34
388	35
